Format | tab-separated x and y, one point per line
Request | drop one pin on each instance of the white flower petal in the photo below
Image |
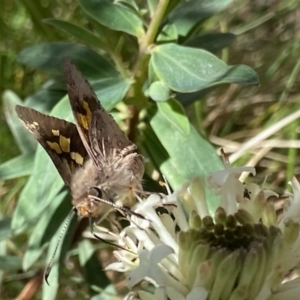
293	211
169	224
217	179
199	204
247	214
289	290
173	294
115	266
198	293
146	296
148	266
232	192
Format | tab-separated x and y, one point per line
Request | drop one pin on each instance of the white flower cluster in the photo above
241	251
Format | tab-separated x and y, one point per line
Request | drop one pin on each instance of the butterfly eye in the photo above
96	192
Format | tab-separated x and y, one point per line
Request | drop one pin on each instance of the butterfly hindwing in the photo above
59	138
101	135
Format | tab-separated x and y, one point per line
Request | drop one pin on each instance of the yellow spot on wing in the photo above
83	121
55	132
87	109
33	125
54	146
77	157
64	143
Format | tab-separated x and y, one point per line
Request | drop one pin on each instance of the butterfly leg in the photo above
127	150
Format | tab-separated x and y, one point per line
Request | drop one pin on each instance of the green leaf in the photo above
46	98
21	165
168	34
110	91
51	56
174	114
94	273
188	98
184	156
190	13
25	141
211	41
240	74
187	70
76	31
152	77
10	262
106	82
5	229
113	15
2	253
152	4
45	228
158	91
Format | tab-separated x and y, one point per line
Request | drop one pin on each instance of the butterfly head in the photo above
101	200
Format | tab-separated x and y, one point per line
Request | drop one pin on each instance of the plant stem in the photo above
140	67
154	25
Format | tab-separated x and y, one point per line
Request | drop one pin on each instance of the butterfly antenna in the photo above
62	233
123	209
103	240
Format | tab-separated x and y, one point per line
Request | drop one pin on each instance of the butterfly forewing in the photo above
59	138
102	137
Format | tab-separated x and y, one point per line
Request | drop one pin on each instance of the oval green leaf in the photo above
21	165
5	229
181	157
46	98
51	56
76	31
190	13
113	15
94	274
168	34
211	42
187	70
110	91
10	262
174	114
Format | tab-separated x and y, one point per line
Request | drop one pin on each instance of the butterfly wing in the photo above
100	134
59	138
